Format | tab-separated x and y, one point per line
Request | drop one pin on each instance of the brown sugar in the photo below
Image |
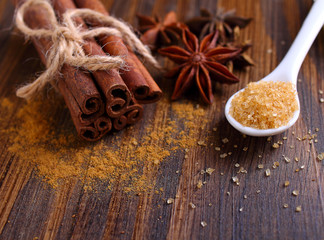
265	105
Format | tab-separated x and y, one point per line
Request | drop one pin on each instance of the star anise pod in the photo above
242	60
158	33
223	21
199	63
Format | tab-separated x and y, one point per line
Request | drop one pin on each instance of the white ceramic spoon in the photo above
288	69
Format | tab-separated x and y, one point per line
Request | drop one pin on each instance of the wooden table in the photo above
31	209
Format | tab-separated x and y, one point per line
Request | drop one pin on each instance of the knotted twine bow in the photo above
67	42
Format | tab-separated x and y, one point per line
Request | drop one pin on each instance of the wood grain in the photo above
30	208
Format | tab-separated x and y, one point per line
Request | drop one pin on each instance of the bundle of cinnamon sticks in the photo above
101	100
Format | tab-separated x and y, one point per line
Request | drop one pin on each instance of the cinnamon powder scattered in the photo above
58	157
265	105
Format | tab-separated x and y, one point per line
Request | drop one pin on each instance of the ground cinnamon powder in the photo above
59	157
265	105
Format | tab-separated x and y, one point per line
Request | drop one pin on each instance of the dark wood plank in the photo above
30	208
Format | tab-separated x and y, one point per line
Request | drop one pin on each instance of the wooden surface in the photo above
30	209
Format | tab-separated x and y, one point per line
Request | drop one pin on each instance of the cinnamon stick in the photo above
103	124
114	89
137	78
36	17
84	90
84	129
132	76
132	115
75	110
120	122
89	133
74	84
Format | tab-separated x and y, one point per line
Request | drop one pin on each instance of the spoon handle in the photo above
294	58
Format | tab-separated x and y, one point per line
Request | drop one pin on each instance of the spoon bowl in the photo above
287	70
258	132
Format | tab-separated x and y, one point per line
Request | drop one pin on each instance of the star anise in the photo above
200	63
242	60
223	21
158	33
